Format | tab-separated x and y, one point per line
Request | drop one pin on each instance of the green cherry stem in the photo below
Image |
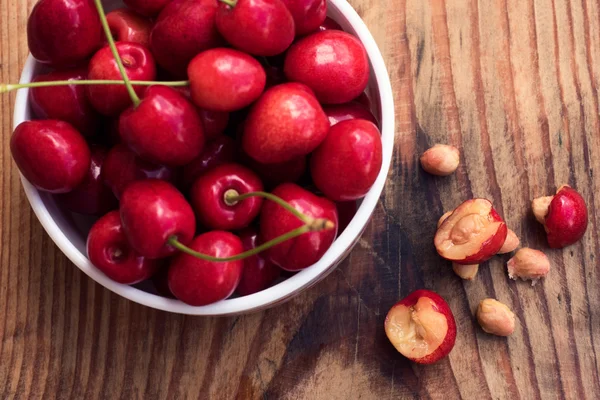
232	197
230	3
4	88
113	48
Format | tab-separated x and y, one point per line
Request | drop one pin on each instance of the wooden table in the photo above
514	84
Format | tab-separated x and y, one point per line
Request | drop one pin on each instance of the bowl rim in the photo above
286	289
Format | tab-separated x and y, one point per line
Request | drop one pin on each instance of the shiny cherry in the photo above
183	29
52	155
214	122
65	103
258	273
329	24
164	128
258	27
209	201
225	79
285	123
122	166
308	14
221	150
129	26
148	8
353	110
152	211
198	282
304	250
346	164
273	175
92	196
113	99
110	252
336	78
63	33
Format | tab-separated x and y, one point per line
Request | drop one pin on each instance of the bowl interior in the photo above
69	231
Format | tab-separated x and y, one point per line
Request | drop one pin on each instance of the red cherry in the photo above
346	164
258	273
225	79
113	99
152	211
214	123
208	197
330	24
109	251
567	218
63	32
332	63
346	212
164	128
52	155
65	103
285	123
122	167
258	27
221	150
149	8
304	250
183	29
273	175
308	14
129	26
353	110
198	282
92	196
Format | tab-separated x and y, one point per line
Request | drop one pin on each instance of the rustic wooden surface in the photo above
514	84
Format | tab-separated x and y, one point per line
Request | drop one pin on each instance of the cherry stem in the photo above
230	3
113	48
231	197
7	88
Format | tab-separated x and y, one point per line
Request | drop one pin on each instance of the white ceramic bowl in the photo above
69	232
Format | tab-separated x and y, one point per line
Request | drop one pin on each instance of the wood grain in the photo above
512	83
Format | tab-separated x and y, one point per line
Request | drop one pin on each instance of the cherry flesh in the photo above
305	250
346	164
197	282
164	128
332	63
258	273
92	196
65	103
308	15
122	166
129	26
353	110
152	211
51	155
183	29
287	122
63	33
148	8
221	150
225	79
111	100
208	197
257	27
110	252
